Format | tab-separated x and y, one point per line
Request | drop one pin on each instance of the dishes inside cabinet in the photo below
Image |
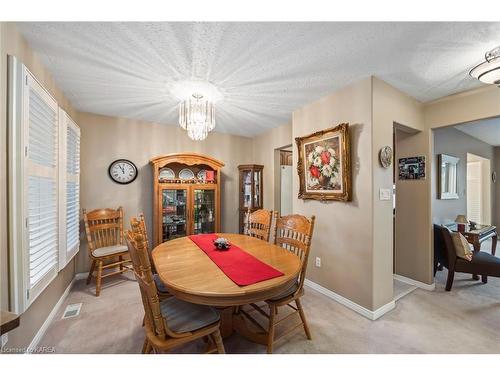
166	174
186	174
202	175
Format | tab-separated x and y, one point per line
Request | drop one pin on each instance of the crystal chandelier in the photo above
489	70
197	116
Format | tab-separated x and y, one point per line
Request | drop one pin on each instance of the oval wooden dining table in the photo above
190	275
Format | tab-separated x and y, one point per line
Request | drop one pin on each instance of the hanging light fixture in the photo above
489	70
196	107
197	116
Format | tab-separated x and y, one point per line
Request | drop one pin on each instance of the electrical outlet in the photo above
5	338
318	262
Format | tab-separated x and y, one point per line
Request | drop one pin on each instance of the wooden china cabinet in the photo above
186	197
251	191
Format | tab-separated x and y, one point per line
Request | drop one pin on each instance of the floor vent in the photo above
72	310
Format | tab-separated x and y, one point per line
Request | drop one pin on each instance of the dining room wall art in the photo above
412	168
324	164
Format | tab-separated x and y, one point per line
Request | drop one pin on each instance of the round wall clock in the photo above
122	171
385	156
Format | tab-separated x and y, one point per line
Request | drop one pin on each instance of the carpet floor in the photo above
465	320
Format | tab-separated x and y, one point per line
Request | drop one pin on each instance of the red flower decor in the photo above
325	157
314	171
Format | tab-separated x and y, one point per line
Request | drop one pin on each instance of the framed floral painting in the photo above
324	164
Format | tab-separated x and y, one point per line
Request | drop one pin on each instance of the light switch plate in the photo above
385	194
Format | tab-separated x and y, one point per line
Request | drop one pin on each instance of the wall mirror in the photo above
448	177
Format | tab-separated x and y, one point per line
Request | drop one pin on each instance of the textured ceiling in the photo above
487	130
264	70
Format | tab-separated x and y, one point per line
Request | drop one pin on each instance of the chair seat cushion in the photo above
286	293
183	316
109	250
481	263
159	284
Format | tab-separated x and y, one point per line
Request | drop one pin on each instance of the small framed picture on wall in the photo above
412	168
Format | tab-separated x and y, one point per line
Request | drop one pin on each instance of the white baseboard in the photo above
34	343
370	314
416	283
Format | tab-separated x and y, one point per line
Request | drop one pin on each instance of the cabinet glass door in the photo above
173	213
204	211
247	188
257	201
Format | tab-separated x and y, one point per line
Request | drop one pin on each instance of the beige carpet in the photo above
465	320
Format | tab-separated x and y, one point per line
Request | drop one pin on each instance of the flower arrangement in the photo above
222	243
324	166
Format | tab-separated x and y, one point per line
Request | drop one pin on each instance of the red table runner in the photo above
241	267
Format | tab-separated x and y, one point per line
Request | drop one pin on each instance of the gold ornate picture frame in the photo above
324	165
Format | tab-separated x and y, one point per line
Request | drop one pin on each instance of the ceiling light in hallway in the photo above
489	70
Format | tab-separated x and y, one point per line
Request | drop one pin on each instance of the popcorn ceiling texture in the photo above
264	70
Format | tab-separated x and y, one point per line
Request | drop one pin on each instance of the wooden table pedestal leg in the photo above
226	321
242	326
494	240
477	248
233	320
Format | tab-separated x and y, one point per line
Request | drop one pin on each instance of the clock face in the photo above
122	171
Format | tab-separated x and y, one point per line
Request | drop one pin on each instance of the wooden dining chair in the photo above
171	322
294	233
259	224
162	289
104	229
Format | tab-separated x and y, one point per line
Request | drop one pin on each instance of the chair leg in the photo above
449	282
484	279
98	278
218	342
270	331
91	272
120	258
303	318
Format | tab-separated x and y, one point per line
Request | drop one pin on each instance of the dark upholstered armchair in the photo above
482	263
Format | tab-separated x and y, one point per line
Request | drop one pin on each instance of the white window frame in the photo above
19	81
66	253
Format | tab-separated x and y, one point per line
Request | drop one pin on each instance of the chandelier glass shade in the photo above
197	117
489	70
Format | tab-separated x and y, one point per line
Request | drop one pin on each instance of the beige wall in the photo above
12	43
413	237
343	234
477	104
390	107
104	139
264	152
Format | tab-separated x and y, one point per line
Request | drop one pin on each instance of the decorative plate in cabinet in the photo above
186	174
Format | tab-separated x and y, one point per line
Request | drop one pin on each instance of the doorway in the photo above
478	189
283	181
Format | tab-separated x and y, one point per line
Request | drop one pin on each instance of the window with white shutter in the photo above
70	189
41	185
44	187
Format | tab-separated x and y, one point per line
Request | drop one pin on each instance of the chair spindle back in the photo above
294	233
259	224
104	227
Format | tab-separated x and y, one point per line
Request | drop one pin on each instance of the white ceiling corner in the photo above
264	70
